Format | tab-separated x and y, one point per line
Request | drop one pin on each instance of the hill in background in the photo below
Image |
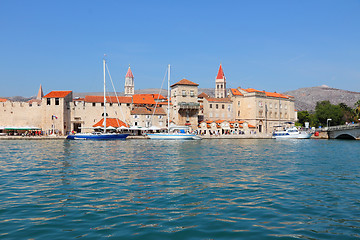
306	98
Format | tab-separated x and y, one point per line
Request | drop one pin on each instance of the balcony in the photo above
189	105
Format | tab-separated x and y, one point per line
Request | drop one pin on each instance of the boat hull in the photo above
302	135
110	136
165	136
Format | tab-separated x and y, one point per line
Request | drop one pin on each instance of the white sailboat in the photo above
175	132
99	135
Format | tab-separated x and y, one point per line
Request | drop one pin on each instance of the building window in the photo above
48	101
136	116
275	106
110	104
160	117
93	104
239	103
57	102
217	106
148	116
102	104
183	93
238	113
128	104
192	94
229	108
135	123
223	106
210	105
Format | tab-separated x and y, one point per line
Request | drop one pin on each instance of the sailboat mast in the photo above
168	112
104	97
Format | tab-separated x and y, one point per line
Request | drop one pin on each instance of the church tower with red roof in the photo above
220	84
129	83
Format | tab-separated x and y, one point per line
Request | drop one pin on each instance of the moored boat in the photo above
293	133
175	132
100	135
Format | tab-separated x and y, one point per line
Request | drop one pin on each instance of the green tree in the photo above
348	113
357	110
303	116
325	110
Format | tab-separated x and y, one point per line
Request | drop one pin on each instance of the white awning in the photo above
154	128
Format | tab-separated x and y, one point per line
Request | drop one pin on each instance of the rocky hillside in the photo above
306	98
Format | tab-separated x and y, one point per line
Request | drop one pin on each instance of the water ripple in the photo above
210	189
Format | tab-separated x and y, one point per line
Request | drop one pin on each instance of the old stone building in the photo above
260	109
184	103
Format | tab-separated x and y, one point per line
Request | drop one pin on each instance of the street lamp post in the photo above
327	122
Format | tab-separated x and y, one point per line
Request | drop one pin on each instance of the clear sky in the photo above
268	45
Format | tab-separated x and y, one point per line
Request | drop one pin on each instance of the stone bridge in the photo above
351	131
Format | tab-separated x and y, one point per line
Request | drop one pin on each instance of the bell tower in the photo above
129	83
220	84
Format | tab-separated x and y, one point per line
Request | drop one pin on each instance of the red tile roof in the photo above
57	94
203	95
251	126
3	99
143	99
220	74
109	99
147	111
129	73
269	94
113	122
185	82
224	100
158	97
236	92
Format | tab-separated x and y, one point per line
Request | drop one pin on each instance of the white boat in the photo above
175	132
99	135
292	132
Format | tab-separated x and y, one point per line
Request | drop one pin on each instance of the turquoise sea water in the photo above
209	189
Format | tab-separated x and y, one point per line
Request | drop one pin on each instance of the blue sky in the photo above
267	45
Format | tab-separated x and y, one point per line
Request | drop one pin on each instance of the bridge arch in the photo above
345	136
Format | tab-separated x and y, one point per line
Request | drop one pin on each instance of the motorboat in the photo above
291	132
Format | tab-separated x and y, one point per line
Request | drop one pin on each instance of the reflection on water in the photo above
218	189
